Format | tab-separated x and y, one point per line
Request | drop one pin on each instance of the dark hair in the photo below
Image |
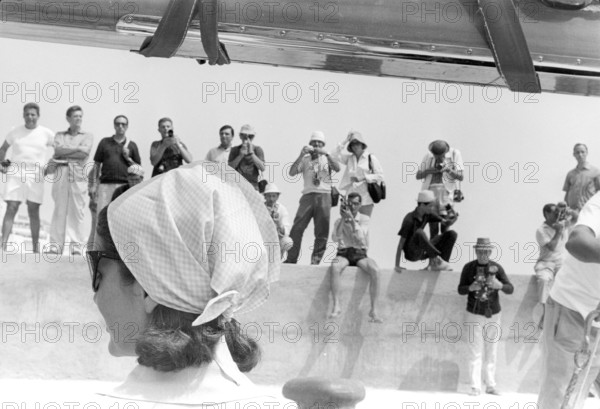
548	208
32	105
353	195
121	116
170	343
72	109
227	127
580	144
165	119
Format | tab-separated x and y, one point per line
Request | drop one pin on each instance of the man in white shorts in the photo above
24	176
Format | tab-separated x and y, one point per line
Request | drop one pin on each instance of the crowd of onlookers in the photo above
117	163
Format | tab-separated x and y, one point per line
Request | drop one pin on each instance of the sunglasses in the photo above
93	259
246	135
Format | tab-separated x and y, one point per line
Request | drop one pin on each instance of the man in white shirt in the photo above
316	166
351	233
575	293
70	183
220	154
24	176
442	171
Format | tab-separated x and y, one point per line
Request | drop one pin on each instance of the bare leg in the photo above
12	207
335	271
34	223
369	266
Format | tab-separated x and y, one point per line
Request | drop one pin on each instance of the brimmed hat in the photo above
439	147
357	136
483	243
248	129
271	188
425	196
318	136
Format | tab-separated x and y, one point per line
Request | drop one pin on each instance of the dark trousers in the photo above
419	247
316	206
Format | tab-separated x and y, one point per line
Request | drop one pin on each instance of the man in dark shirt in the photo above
414	241
481	279
168	153
112	161
247	158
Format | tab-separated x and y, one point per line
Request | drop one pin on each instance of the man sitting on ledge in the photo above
414	241
351	234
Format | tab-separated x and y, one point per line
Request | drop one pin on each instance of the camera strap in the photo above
174	25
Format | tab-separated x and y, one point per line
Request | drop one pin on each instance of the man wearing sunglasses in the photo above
247	158
114	155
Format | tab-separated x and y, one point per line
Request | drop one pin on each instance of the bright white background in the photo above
520	145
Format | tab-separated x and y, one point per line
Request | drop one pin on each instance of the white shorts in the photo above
28	190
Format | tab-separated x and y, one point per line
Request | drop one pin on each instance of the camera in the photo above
564	211
170	133
439	165
343	204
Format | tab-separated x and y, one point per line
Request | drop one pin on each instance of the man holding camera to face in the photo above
441	171
168	153
316	166
351	233
551	237
248	159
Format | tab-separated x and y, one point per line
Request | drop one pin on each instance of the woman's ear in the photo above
149	304
140	293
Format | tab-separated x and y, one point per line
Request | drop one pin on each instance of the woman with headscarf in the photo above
362	168
176	258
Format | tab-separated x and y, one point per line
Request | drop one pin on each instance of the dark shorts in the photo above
352	255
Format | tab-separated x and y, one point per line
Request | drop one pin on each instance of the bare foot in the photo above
335	313
374	318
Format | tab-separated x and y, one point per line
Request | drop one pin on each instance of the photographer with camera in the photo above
168	153
481	280
316	166
551	237
363	169
414	241
280	216
247	158
441	171
352	237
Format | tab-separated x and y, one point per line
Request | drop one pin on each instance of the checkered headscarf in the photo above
198	239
